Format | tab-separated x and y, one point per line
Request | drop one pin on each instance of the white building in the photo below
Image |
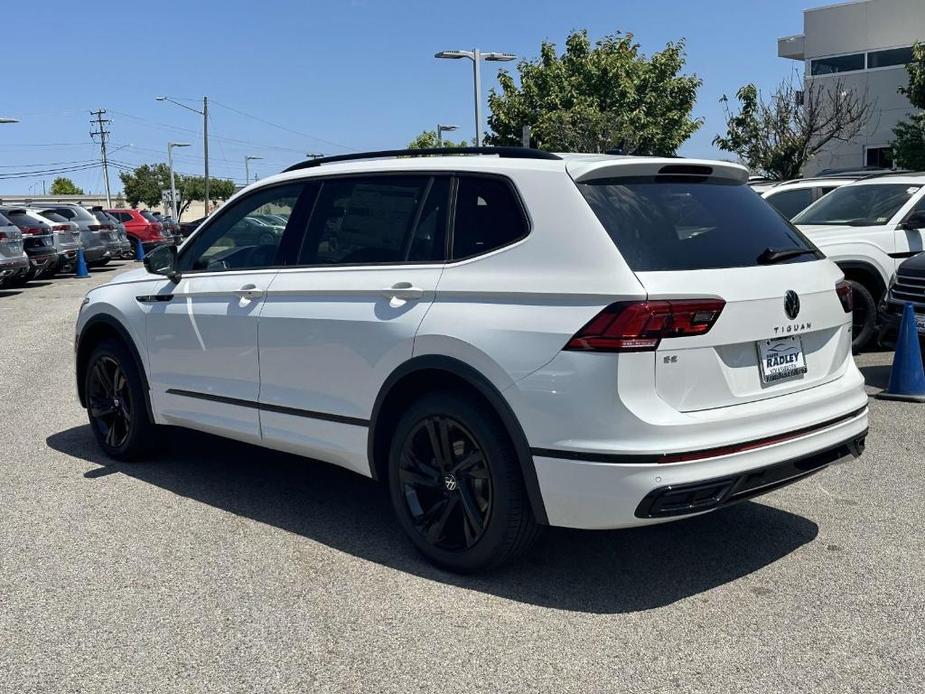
866	44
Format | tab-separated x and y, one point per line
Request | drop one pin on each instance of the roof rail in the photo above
503	152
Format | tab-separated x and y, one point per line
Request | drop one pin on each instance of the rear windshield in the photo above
150	217
665	223
861	205
53	216
4	222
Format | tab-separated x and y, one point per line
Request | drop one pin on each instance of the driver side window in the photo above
245	235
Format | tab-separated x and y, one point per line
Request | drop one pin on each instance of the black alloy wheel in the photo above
456	485
109	402
446	483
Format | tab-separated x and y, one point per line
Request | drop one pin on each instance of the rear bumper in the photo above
13	267
709	495
95	253
592	495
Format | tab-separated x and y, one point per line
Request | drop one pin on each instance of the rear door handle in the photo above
403	290
249	292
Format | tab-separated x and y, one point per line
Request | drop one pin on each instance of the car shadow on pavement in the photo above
876	375
588	571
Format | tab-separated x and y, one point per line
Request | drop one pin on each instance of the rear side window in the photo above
791	202
366	220
53	216
668	223
488	216
4	222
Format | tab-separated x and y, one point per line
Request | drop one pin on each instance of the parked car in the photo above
868	228
141	227
14	263
66	237
907	287
169	227
792	197
95	240
37	238
425	321
187	228
116	241
760	184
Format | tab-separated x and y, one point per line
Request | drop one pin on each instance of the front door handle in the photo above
249	292
403	290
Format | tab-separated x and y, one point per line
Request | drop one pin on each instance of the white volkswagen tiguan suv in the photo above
506	341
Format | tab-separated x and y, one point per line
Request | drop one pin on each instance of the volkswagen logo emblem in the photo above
791	304
450	482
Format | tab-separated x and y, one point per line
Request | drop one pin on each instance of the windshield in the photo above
859	205
665	223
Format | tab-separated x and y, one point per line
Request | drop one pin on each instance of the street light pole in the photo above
173	186
444	129
247	170
477	56
205	136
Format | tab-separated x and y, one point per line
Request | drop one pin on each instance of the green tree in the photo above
597	98
428	140
909	143
778	136
64	186
190	188
146	184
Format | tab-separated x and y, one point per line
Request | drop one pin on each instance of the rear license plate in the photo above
780	358
920	322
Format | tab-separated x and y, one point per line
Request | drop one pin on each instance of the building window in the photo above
889	57
837	63
881	157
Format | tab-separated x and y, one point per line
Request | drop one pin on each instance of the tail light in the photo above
94	227
845	295
638	326
61	227
3	235
34	231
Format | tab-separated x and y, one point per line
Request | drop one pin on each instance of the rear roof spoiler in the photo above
589	169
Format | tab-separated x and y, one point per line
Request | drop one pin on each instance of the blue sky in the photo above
337	76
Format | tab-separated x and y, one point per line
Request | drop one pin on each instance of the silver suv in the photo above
14	263
95	241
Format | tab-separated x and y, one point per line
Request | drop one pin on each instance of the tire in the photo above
462	517
864	316
124	432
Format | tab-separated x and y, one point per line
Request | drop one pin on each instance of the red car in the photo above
141	224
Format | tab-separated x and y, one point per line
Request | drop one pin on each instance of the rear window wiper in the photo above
769	256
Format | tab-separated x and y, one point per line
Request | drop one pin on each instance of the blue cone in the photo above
81	271
907	377
139	251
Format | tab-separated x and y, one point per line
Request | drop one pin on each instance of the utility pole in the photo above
100	124
205	145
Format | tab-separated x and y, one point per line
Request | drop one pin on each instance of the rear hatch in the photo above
696	231
10	239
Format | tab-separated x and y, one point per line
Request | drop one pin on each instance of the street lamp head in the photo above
251	156
452	55
178	144
8	120
447	128
499	57
160	98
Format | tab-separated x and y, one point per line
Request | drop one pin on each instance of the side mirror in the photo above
914	221
163	261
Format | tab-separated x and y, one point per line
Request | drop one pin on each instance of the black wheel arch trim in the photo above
115	324
867	268
485	388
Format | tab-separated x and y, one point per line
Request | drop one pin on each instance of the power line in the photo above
283	127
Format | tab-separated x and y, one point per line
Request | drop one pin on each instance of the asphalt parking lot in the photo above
221	567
